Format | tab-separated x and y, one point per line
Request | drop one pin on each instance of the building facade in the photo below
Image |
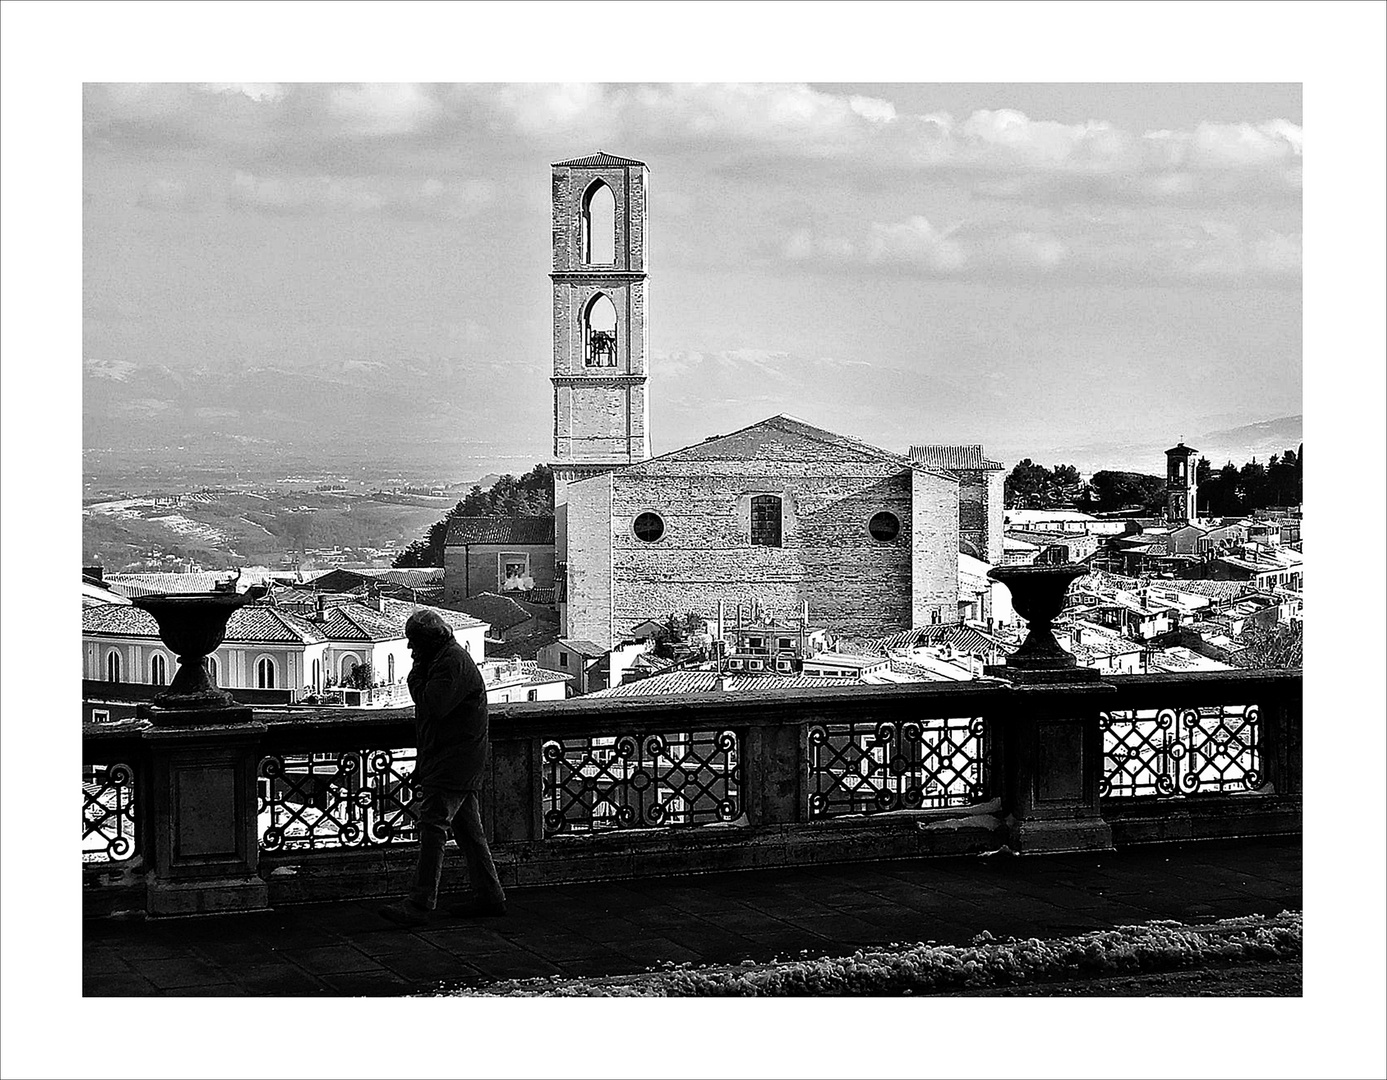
497	555
980	496
780	513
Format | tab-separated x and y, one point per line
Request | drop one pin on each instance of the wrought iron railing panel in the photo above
653	780
345	799
1170	752
870	768
108	813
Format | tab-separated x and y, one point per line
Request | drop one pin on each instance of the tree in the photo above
1272	647
359	678
1032	486
1115	490
530	496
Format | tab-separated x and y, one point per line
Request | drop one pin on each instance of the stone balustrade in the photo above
301	804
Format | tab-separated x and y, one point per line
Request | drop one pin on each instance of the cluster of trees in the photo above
531	495
1232	490
1111	489
1034	487
1229	492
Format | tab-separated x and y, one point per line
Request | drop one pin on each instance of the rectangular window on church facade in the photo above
765	520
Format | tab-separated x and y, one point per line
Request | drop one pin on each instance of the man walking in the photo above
450	722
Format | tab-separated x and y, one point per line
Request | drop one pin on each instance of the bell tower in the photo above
1180	484
600	408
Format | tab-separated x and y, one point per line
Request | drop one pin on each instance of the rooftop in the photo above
532	531
599	159
954	457
701	681
584	648
251	623
499	612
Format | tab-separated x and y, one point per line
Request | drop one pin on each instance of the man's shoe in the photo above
476	908
405	913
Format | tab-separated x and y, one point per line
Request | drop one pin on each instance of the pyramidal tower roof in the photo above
600	159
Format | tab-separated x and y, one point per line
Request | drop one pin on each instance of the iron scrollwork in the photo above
347	799
108	813
1172	752
655	780
870	768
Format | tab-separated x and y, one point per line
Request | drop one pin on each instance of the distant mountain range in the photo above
1236	444
432	419
337	412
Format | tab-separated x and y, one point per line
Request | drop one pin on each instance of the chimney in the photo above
320	607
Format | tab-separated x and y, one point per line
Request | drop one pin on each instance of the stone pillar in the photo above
514	790
1053	754
1052	743
771	773
203	811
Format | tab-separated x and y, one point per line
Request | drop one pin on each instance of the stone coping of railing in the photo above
756	708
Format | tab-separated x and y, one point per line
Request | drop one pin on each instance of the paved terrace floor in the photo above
613	928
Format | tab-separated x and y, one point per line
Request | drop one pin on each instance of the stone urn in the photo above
192	625
1037	594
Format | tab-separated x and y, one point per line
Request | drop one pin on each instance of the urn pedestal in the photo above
203	749
1054	755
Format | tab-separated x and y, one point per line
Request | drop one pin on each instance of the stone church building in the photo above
781	512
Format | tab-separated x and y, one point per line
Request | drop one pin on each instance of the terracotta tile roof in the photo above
403	609
501	613
725	447
964	639
266	624
122	619
357	622
500	530
702	681
600	159
148	584
940	456
584	648
253	623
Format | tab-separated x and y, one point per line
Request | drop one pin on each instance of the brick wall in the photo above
587	614
474	568
994	506
628	186
829	492
934	591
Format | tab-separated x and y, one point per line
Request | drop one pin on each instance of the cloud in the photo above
1130	247
164	194
394	127
357	195
381	109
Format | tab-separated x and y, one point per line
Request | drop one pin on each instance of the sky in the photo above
1037	267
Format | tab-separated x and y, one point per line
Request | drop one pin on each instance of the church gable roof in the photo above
751	442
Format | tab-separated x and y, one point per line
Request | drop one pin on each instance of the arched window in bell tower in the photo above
599	332
599	226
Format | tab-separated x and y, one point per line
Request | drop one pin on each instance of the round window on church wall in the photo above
648	527
884	526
